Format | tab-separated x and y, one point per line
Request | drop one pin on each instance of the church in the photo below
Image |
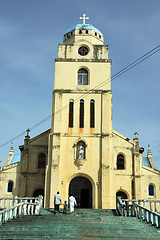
81	153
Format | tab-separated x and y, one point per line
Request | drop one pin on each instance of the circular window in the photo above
83	51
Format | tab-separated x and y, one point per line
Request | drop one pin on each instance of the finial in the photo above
11	149
136	134
149	147
27	132
84	18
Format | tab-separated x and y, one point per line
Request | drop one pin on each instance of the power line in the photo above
127	68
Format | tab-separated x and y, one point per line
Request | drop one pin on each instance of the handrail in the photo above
147	215
129	208
23	208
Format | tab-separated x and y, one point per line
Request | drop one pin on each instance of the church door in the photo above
81	188
121	194
39	192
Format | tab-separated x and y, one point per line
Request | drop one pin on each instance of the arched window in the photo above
81	150
92	112
42	160
151	190
82	77
71	105
10	187
81	114
120	162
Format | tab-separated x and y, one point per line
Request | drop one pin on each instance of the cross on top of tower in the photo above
84	18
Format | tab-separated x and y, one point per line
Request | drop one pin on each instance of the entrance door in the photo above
121	194
84	196
81	188
39	192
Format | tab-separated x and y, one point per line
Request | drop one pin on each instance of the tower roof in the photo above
83	26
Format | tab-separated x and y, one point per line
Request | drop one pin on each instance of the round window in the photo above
83	51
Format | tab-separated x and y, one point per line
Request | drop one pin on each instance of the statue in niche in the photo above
80	151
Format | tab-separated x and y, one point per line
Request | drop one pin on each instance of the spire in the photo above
150	159
26	140
136	143
10	156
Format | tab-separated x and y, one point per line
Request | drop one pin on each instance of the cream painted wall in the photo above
66	75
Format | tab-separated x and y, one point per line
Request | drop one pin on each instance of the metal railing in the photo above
14	207
134	208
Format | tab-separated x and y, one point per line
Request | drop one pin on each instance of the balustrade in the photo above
142	209
13	207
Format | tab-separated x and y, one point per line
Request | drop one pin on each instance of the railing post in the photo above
1	214
25	208
10	203
5	203
155	206
140	213
145	203
15	200
5	216
134	211
40	198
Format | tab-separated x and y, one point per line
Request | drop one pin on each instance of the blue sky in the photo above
29	35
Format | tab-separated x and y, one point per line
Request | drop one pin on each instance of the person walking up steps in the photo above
57	202
65	207
72	203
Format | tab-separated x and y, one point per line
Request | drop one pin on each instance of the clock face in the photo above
83	51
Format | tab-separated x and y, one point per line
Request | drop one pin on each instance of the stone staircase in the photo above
84	224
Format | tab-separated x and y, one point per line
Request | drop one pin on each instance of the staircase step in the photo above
84	224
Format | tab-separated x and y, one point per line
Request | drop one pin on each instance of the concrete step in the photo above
84	224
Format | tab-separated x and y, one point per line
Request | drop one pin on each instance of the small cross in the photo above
27	132
84	18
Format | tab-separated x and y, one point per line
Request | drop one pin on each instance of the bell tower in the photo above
80	142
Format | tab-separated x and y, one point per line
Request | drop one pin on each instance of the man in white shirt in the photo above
72	203
57	202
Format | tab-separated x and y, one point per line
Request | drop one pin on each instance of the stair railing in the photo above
132	208
21	206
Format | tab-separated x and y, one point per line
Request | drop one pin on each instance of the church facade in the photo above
81	153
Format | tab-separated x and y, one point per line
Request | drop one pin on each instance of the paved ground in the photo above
85	224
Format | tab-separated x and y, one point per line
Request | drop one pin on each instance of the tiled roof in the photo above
83	26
